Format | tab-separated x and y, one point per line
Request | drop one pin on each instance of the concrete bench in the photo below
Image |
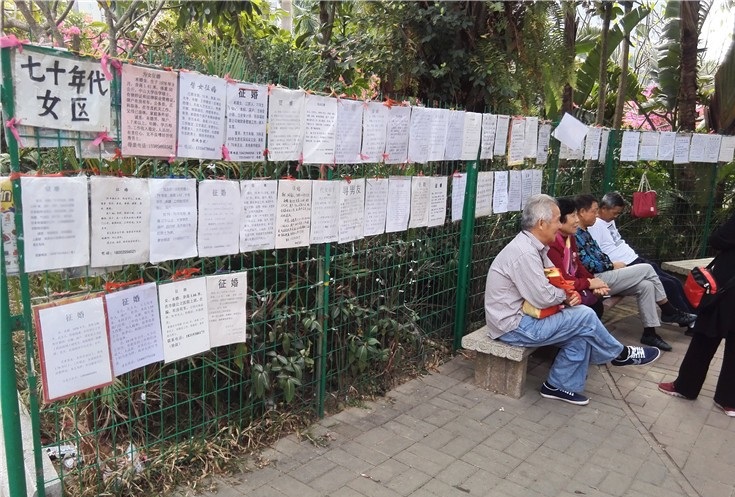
500	367
682	268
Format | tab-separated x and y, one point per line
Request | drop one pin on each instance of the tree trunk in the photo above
602	83
688	89
570	41
623	83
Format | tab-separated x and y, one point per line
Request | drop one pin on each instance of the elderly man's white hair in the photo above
538	208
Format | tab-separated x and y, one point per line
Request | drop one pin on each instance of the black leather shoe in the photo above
679	317
655	341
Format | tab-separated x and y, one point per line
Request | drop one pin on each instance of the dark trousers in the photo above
694	367
672	286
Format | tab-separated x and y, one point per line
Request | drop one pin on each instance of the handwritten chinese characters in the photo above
201	116
286	125
294	213
226	296
247	112
173	219
219	218
258	216
184	318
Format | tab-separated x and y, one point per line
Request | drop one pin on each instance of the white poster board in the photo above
202	103
259	199
184	318
247	115
218	230
173	218
293	213
320	118
351	209
286	124
226	307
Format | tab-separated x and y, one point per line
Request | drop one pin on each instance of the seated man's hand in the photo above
618	265
601	291
596	283
573	299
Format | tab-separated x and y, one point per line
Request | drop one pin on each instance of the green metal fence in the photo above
327	324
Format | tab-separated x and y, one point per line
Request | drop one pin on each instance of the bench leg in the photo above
501	375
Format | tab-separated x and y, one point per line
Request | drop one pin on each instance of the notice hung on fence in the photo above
258	217
7	218
120	221
537	178
396	141
438	201
293	218
226	306
542	152
219	218
324	212
202	102
351	210
727	150
374	126
438	140
376	202
515	184
286	124
399	204
681	148
697	147
419	136
489	124
247	114
73	346
135	328
666	142
629	146
592	143
455	132
184	318
320	129
517	151
459	183
349	131
173	218
526	186
484	197
712	149
55	222
648	149
604	138
501	135
148	111
420	192
471	135
53	91
531	134
500	192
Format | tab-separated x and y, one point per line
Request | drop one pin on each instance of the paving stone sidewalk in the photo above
440	435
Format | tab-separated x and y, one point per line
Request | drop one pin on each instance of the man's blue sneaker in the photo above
549	392
638	356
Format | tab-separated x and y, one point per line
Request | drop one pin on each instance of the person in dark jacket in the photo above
716	320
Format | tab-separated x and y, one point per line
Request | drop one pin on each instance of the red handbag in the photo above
699	283
644	200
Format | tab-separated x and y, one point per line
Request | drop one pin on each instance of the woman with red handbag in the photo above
715	321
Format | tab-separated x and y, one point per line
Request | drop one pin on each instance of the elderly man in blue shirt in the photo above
517	276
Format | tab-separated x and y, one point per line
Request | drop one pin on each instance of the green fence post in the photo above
9	394
608	177
708	214
464	265
555	146
322	297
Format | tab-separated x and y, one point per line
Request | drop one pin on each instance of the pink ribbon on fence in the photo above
229	79
102	136
225	153
11	41
364	156
171	159
107	61
10	124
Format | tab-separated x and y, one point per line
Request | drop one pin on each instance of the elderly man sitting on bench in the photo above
517	281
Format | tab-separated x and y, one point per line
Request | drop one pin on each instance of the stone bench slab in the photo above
683	267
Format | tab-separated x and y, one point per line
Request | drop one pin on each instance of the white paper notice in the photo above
419	137
376	202
184	318
55	222
571	131
544	136
286	124
629	146
173	218
293	216
604	138
349	131
526	186
438	140
517	149
420	193
135	328
374	127
489	124
324	212
459	182
712	149
247	114
666	141
226	306
537	178
258	217
727	149
592	143
681	148
697	147
455	130
531	134
7	221
351	210
120	221
219	218
148	111
202	102
471	135
396	141
321	129
500	192
484	196
399	204
501	135
648	149
570	154
438	201
515	186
